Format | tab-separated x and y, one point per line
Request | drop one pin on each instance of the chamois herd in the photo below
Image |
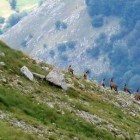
113	85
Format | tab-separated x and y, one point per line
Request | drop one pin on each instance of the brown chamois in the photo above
113	85
137	96
103	82
70	70
86	75
126	89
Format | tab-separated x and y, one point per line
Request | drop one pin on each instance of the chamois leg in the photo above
116	89
129	91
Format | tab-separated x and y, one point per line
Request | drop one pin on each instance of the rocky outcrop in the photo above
25	71
57	78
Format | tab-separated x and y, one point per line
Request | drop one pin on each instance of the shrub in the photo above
2	20
40	2
13	4
15	18
59	25
97	21
1	32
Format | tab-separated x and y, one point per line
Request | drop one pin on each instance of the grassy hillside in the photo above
39	111
5	10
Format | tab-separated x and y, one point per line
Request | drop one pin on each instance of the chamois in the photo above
137	96
113	85
86	75
70	70
103	83
126	89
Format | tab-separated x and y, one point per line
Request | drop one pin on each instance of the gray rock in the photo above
25	71
82	86
121	137
2	54
3	80
2	115
113	129
137	137
57	78
45	68
89	117
2	64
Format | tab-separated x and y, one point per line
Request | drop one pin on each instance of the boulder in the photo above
25	71
57	78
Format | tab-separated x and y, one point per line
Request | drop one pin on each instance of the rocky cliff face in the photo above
60	32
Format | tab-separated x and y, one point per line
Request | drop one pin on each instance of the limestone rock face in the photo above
25	71
60	32
57	78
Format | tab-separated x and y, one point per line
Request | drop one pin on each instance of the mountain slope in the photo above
38	110
60	32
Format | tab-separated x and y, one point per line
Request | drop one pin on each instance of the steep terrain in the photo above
37	110
100	35
60	32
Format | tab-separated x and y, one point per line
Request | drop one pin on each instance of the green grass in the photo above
12	100
8	132
15	60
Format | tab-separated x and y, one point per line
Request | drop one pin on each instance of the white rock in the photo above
82	86
45	68
24	70
57	78
2	54
2	64
3	80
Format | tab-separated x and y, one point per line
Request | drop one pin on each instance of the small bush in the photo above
15	18
59	25
1	31
2	20
13	4
97	21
